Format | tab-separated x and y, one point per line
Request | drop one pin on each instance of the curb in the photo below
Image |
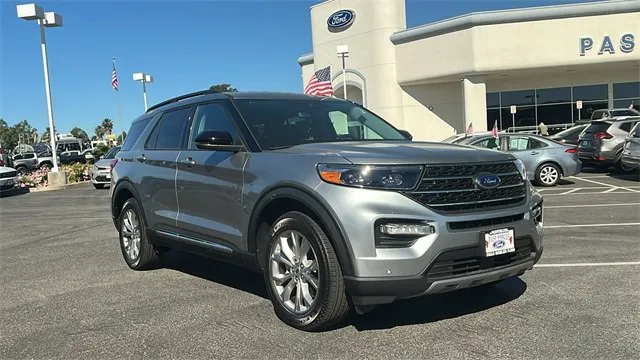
54	188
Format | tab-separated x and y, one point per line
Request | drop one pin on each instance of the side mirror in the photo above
216	140
406	134
101	157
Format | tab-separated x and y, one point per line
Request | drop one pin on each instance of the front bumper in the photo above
100	176
381	274
630	161
7	184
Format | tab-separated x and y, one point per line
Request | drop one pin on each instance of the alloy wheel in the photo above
549	175
294	274
131	235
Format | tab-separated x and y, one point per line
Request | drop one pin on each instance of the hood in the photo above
6	169
401	152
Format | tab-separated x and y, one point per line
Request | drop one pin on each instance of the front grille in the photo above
467	261
448	188
8	174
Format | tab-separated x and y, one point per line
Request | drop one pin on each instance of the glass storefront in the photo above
626	94
552	106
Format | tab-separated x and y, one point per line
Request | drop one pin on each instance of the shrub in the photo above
33	179
77	172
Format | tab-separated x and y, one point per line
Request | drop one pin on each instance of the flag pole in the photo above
120	120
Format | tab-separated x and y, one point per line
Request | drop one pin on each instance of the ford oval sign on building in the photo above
341	19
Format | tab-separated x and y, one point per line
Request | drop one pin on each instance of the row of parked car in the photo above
612	141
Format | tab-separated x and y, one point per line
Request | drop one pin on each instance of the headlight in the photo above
521	168
393	177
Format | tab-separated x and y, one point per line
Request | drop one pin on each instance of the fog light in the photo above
407	229
536	214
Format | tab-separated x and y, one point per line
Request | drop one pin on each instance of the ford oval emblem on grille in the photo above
488	181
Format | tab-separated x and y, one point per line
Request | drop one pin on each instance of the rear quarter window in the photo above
134	133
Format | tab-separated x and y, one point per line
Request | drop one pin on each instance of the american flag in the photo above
494	131
320	83
114	77
470	129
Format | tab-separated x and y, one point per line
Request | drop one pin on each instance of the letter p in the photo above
586	43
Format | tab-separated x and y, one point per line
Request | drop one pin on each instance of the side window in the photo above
153	137
171	129
626	127
212	116
134	133
536	144
518	143
490	143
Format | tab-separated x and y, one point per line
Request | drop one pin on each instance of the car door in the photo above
525	149
209	183
158	169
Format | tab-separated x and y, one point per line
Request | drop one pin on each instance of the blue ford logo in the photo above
498	244
488	181
340	19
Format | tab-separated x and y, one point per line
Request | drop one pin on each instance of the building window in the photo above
552	106
626	94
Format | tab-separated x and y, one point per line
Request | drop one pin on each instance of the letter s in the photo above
627	43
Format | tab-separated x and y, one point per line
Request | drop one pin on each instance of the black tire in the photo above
331	306
548	169
22	170
98	186
46	166
148	256
622	169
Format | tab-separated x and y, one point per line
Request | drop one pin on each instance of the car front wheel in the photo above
303	276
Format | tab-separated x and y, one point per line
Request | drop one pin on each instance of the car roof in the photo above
208	95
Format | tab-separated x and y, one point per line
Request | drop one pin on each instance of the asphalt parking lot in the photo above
67	293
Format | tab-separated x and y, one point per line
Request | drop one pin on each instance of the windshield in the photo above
280	123
629	112
112	153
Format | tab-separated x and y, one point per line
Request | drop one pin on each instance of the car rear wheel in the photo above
21	170
548	174
138	252
303	276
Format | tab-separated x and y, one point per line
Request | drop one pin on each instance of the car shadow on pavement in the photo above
216	271
14	192
433	308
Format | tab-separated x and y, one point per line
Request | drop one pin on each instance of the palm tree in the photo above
107	126
99	132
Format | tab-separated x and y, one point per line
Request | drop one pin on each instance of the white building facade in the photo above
437	79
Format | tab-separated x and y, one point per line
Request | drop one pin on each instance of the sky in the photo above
186	45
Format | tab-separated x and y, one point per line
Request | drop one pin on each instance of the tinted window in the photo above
134	132
153	137
493	100
212	117
489	143
171	129
636	130
591	92
628	112
282	123
626	90
596	127
520	97
626	126
112	152
554	95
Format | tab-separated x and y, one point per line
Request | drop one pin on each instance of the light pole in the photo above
343	52
45	19
144	79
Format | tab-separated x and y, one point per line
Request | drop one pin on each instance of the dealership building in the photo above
551	65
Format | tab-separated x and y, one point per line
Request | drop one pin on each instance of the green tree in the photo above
46	136
122	137
223	88
99	132
80	134
107	126
11	136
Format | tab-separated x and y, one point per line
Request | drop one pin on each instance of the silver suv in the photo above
601	143
333	205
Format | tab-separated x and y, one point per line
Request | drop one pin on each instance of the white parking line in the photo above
592	205
569	191
589	225
592	193
604	184
589	264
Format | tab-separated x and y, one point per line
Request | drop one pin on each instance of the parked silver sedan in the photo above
546	160
101	170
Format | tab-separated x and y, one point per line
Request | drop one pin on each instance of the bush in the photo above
77	172
33	179
100	150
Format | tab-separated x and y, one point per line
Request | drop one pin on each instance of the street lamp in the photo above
343	52
144	79
44	19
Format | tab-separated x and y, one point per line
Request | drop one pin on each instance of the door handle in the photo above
534	153
189	161
141	158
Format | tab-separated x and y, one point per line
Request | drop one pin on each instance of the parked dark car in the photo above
569	136
71	157
601	143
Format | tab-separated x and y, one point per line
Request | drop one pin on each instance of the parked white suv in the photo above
8	178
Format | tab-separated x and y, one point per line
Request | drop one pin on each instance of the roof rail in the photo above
181	97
